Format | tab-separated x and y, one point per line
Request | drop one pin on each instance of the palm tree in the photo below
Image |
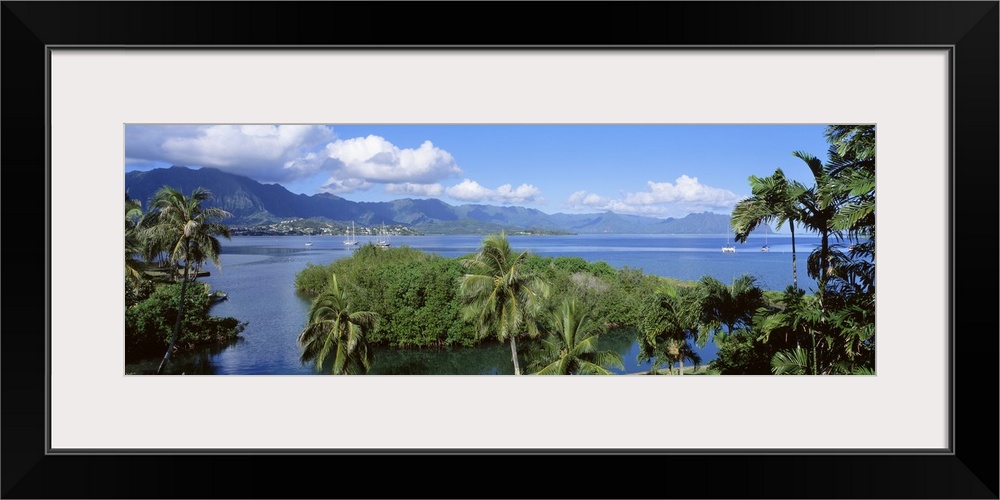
501	298
849	300
133	244
818	207
668	321
191	230
677	351
571	346
334	329
731	307
774	199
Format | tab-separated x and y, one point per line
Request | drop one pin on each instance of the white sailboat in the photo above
727	248
310	242
351	240
383	238
765	248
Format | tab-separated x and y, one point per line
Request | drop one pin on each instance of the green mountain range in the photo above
255	204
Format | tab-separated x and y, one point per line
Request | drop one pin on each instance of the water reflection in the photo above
197	362
489	358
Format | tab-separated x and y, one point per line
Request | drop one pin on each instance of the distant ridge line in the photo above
253	203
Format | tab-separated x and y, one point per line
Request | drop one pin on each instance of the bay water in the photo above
258	274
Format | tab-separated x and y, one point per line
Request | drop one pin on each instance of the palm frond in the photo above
588	368
794	362
815	165
335	330
609	359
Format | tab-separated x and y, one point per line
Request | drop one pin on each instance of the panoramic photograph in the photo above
536	249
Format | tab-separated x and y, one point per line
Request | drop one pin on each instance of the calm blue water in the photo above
258	273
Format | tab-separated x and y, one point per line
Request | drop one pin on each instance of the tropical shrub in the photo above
150	323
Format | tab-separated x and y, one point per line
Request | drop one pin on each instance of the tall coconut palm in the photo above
334	329
773	199
192	231
502	299
570	348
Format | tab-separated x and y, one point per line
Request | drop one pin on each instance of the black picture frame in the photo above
970	470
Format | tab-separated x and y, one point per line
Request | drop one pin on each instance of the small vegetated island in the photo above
552	312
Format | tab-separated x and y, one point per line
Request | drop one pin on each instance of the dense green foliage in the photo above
609	294
669	322
742	353
570	346
417	294
150	321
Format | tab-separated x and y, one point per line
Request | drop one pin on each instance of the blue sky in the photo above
653	170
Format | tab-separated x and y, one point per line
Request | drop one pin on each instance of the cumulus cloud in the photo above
376	160
525	193
415	189
585	199
267	153
470	190
686	195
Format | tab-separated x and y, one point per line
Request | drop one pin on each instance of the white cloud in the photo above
585	199
686	190
375	159
337	186
470	190
415	189
363	161
686	195
525	193
267	153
